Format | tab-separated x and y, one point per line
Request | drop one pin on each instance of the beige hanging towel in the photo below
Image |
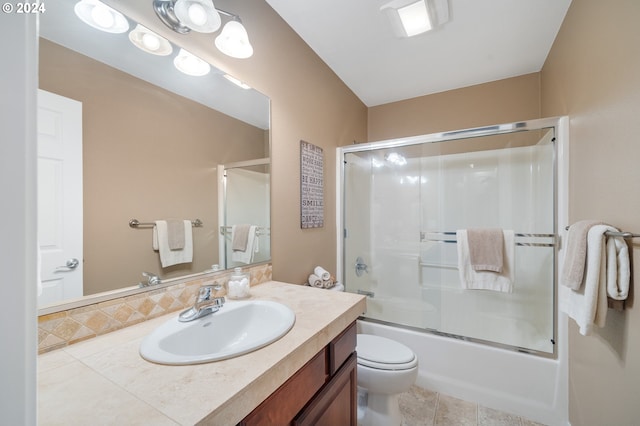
486	249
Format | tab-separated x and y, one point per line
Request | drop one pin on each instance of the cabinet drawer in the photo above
341	348
285	403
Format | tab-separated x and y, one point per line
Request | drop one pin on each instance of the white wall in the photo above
18	82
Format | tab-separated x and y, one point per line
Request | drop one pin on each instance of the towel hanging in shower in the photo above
472	279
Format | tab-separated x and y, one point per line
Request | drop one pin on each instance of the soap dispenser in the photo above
239	284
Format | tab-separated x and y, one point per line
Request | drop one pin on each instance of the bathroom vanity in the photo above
306	377
322	392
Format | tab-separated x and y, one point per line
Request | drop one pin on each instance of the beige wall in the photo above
592	74
309	102
503	101
147	154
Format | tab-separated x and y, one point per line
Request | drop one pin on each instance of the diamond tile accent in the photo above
63	328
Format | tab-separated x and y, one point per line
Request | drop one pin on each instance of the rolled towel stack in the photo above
321	278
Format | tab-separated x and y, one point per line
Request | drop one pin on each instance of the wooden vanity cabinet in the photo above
323	392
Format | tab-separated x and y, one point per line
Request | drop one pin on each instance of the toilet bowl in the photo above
386	368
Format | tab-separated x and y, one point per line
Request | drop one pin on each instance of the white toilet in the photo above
386	368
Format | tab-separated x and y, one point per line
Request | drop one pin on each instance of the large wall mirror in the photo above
124	135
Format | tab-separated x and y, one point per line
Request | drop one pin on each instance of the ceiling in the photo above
485	40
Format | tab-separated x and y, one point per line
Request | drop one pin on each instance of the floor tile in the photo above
455	412
491	417
418	407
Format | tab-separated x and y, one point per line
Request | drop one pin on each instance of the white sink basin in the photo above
237	328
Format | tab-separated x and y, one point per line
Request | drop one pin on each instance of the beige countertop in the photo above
105	381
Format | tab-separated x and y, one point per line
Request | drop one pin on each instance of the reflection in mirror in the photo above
150	144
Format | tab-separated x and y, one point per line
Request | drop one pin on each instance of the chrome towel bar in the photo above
135	223
617	234
226	230
445	237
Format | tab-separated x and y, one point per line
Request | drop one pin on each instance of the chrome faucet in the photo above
205	304
152	279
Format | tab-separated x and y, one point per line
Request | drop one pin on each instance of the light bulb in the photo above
197	14
150	41
102	16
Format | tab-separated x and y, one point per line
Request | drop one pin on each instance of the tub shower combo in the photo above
400	203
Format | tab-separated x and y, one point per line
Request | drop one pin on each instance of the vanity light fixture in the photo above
410	17
198	15
190	64
184	16
236	81
234	40
145	39
100	16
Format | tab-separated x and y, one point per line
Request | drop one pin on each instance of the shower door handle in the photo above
361	267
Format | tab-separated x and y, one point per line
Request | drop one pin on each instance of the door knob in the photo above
69	266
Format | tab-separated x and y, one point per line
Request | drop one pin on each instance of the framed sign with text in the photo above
311	186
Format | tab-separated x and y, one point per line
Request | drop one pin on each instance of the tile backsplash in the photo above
64	328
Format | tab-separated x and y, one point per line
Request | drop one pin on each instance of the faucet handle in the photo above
204	293
152	279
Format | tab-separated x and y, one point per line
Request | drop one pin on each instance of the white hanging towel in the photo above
618	268
588	305
170	257
472	279
246	255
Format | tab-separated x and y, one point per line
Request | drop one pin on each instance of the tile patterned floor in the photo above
421	407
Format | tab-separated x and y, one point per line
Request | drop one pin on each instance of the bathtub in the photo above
513	382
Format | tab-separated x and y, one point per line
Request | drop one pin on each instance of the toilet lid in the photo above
382	353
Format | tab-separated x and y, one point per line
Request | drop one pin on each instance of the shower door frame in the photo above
560	126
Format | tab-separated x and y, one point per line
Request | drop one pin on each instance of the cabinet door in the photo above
335	404
286	402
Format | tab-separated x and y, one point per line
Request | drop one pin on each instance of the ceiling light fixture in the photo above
145	39
410	17
184	16
190	64
100	16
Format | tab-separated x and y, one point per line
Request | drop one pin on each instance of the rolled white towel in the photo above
314	281
328	283
337	287
322	273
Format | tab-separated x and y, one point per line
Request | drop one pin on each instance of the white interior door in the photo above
59	197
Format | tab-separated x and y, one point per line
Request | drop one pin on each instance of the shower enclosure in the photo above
402	203
244	198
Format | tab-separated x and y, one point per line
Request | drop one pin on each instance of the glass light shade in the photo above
100	16
190	64
199	15
415	18
234	41
145	39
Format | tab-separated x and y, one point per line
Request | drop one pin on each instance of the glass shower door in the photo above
246	201
382	231
403	204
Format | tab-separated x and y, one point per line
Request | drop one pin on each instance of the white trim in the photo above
18	327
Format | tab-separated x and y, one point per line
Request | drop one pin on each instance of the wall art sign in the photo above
311	186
